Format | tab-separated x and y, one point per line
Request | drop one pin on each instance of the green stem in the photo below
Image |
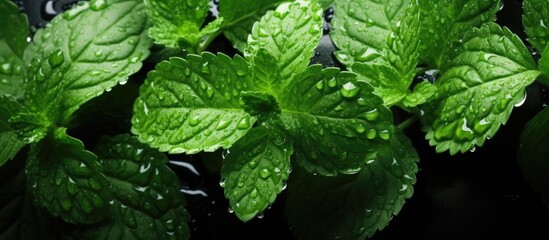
407	123
209	39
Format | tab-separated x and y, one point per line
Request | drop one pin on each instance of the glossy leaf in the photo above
192	105
480	88
65	179
13	41
422	93
334	119
544	67
361	28
532	155
255	171
147	202
443	23
535	19
289	35
90	56
353	206
239	17
177	23
9	143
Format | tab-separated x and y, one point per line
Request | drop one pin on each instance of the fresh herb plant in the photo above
327	134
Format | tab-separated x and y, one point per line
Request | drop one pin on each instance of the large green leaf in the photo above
255	171
13	41
90	56
192	105
535	19
289	35
147	202
361	28
544	67
335	120
533	152
353	206
239	17
177	23
444	22
65	179
9	143
480	88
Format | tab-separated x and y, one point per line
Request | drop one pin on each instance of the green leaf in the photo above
177	23
192	105
480	88
444	22
65	179
361	28
13	41
353	206
385	79
532	155
261	105
255	171
544	67
325	3
334	119
9	143
289	47
239	17
147	202
422	93
85	56
535	18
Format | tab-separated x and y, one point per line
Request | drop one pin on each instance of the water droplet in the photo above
57	58
385	134
361	102
252	164
194	121
349	90
254	193
372	115
265	173
74	12
332	82
260	216
371	134
222	182
97	5
320	85
244	123
360	129
521	101
134	59
6	69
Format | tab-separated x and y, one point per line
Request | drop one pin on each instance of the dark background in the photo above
476	195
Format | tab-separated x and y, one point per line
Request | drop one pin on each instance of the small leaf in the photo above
535	19
532	155
334	119
422	93
66	180
147	202
289	47
177	23
86	56
13	41
353	206
239	17
261	105
385	79
9	143
361	28
192	105
444	22
480	88
255	171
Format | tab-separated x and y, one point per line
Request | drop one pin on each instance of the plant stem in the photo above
407	123
209	39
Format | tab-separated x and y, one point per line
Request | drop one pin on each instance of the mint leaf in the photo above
544	67
353	206
422	93
385	79
95	55
290	47
532	155
262	105
444	22
13	41
255	171
239	17
477	92
147	202
535	19
65	179
334	119
9	142
361	28
177	23
192	105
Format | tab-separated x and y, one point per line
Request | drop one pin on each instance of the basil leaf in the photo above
532	155
334	119
255	171
444	22
353	206
290	47
9	143
66	180
535	18
91	56
192	105
477	92
147	202
13	41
